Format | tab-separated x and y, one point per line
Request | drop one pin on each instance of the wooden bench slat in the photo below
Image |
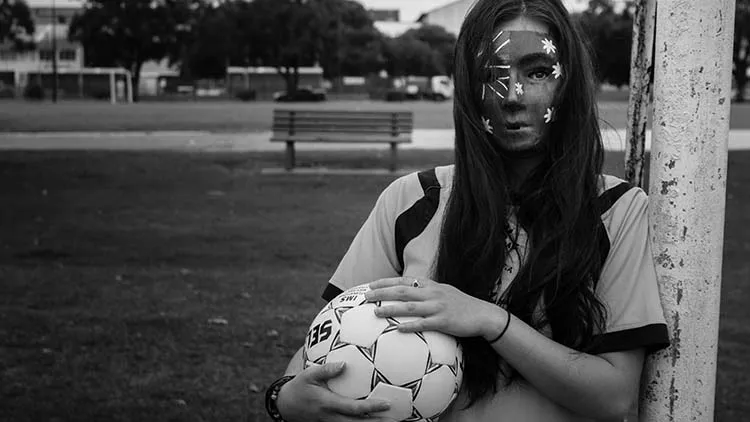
345	113
379	122
384	122
340	128
349	134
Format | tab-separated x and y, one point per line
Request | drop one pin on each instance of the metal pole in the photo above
129	77
112	87
641	75
692	89
54	52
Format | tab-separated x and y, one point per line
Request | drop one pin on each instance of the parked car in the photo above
302	94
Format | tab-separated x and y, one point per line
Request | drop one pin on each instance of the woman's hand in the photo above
443	307
307	398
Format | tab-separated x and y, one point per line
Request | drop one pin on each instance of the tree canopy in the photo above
16	24
611	36
741	47
349	43
128	33
441	42
206	50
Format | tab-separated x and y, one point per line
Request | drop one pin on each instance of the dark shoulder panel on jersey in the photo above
604	202
413	221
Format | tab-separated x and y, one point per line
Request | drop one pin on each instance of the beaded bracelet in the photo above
272	394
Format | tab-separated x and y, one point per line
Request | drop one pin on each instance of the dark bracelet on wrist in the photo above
502	333
272	394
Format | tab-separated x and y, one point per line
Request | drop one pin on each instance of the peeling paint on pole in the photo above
641	73
692	69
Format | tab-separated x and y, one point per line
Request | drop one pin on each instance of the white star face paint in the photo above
522	77
487	125
549	115
557	70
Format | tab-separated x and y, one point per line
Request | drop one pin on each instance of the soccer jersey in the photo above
627	284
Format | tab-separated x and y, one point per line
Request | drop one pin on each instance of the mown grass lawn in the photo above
175	286
215	116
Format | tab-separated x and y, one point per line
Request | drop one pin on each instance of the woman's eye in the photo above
540	73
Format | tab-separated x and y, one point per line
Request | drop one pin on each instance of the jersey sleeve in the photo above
372	253
628	283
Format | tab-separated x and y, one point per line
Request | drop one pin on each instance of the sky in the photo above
410	9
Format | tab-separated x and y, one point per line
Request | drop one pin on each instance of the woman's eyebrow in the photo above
504	60
537	58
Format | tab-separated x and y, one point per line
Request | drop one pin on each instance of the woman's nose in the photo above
513	94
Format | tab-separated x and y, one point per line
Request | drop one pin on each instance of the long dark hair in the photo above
555	203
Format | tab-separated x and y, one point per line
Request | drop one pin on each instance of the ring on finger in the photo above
415	283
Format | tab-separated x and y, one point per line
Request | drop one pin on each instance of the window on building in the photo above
62	19
68	55
46	55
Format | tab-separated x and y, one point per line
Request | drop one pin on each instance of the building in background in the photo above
69	54
21	72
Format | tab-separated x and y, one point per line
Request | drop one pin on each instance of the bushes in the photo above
246	95
7	91
33	92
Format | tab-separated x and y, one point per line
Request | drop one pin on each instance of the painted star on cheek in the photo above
487	125
519	88
548	46
549	115
557	70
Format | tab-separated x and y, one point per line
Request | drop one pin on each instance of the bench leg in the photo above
394	156
289	155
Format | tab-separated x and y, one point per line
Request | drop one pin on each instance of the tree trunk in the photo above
291	77
135	72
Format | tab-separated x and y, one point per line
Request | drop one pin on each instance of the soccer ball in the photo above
418	373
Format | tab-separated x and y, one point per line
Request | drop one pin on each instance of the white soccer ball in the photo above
419	373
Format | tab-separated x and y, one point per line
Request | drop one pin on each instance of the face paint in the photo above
521	79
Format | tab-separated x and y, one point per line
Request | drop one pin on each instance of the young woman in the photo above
537	262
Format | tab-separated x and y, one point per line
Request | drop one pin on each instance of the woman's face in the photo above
522	77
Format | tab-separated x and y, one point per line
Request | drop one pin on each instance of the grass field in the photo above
235	116
214	116
114	267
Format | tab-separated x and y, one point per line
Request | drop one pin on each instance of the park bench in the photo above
326	126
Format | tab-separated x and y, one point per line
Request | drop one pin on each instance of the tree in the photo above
279	33
440	41
408	56
16	24
205	52
611	36
128	33
349	42
741	47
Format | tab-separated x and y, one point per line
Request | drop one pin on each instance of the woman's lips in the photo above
515	126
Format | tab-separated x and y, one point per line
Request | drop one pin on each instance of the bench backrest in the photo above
295	122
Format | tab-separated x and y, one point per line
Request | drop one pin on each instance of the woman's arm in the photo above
599	386
307	397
